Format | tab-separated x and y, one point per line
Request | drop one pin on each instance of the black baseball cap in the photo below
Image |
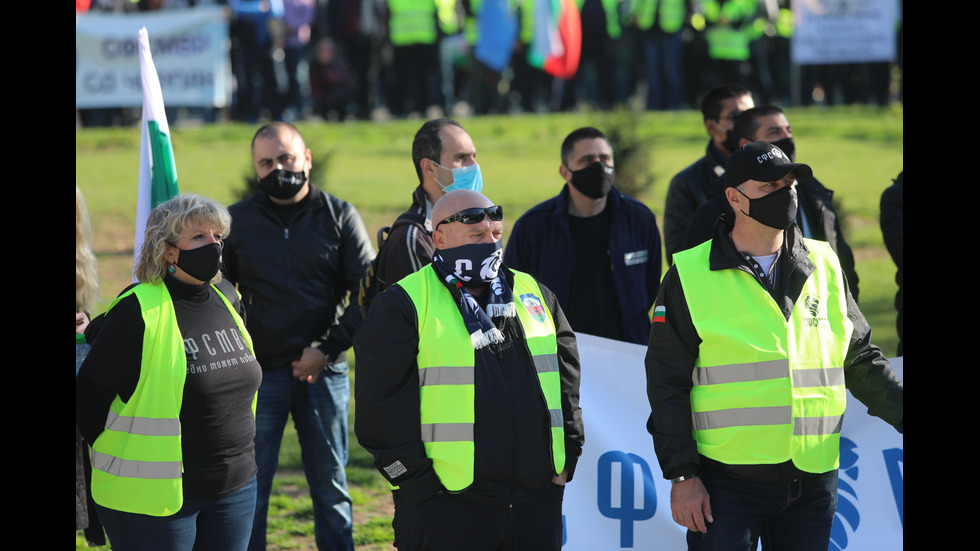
762	162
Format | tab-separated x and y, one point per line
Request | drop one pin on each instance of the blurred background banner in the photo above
844	32
190	50
619	499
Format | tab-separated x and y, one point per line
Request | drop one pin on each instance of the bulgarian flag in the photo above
660	314
158	174
557	43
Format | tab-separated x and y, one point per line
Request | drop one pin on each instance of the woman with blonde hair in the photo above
86	295
166	394
86	280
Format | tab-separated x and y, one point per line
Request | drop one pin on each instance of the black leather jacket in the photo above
295	279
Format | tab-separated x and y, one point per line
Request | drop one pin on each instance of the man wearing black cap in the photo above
816	216
755	337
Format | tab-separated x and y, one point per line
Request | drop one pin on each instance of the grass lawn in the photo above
855	151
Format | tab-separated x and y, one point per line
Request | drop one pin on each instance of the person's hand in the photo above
690	506
81	322
309	365
561	478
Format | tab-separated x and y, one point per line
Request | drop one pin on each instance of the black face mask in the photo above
595	180
788	146
201	263
282	184
474	263
731	142
776	210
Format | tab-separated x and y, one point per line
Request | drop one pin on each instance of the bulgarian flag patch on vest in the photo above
660	314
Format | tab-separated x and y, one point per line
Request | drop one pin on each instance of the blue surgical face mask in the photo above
467	177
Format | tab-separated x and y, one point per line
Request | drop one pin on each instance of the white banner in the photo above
620	500
831	31
190	50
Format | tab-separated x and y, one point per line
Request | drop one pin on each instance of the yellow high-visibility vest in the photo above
767	389
446	372
136	462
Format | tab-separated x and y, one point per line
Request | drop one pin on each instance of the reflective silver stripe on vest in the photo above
136	469
742	417
447	432
431	376
546	363
142	425
830	376
813	426
557	419
740	373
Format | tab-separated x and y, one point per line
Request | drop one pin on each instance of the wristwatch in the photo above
682	478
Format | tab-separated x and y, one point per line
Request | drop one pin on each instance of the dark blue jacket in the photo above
541	245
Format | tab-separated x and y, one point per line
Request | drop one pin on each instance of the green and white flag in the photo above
158	173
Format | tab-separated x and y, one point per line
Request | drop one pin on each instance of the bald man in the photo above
296	254
467	393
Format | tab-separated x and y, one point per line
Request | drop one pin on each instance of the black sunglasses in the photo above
475	215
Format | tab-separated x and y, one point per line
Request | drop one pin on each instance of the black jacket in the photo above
674	347
295	279
816	208
408	247
541	245
893	231
512	458
689	189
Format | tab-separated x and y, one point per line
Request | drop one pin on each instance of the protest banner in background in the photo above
190	50
619	499
831	31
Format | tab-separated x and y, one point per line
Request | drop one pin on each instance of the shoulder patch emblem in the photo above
533	306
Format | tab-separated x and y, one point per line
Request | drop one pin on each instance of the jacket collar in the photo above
314	199
614	202
724	255
716	158
421	207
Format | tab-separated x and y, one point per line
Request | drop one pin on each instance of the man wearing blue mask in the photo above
816	217
467	393
445	160
596	248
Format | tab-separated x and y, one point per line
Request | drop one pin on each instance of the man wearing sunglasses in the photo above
467	393
445	159
596	248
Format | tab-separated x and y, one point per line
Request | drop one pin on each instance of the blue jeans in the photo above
665	70
201	523
319	412
795	515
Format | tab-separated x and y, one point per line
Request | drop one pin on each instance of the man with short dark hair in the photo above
467	393
445	159
693	186
755	338
597	249
296	254
816	216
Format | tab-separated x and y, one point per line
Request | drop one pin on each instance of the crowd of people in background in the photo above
364	59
